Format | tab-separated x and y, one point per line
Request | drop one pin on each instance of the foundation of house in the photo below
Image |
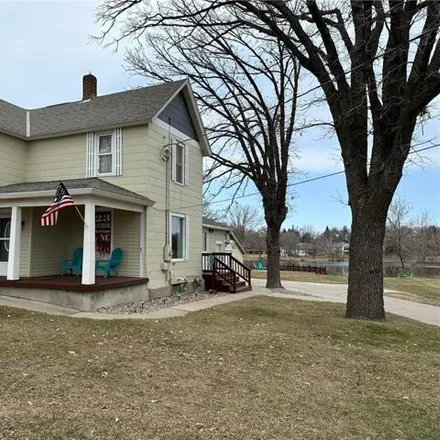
68	292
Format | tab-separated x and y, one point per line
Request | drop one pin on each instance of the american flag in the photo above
62	200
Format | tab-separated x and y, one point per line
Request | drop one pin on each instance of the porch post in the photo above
88	269
142	231
14	245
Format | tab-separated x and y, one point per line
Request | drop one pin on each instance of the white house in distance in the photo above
218	237
133	158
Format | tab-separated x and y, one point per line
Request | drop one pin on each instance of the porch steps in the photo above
224	273
224	286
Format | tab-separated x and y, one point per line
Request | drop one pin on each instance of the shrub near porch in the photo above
260	368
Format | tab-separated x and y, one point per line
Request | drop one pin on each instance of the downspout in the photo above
166	155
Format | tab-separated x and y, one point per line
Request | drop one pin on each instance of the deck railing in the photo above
226	262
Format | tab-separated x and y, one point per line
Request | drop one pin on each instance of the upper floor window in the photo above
104	153
180	163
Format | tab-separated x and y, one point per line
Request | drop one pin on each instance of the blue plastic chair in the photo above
110	265
75	264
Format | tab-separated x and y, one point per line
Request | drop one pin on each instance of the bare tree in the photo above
289	240
246	88
243	219
377	63
400	234
211	213
426	238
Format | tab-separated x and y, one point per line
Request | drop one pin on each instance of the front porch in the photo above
105	217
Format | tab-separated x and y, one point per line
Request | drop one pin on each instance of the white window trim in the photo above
185	238
185	164
99	135
92	153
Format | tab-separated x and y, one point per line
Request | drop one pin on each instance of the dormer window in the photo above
104	153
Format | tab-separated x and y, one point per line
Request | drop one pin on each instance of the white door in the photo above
218	246
5	233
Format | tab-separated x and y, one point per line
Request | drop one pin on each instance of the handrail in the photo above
238	267
232	264
216	271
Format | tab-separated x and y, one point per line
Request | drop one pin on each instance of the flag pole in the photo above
79	213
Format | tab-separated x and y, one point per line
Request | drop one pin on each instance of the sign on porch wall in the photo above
103	234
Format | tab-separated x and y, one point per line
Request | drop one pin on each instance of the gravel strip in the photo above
150	306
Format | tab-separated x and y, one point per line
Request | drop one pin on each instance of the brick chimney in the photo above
90	85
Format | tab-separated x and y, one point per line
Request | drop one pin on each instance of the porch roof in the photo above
83	191
90	186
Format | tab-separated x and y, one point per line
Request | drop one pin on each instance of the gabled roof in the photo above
206	221
128	108
12	119
94	183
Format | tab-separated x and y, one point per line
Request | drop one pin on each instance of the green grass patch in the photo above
254	369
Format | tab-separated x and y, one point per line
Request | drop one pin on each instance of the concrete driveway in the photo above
338	293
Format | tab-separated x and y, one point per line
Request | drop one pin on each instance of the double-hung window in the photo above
179	244
105	154
180	163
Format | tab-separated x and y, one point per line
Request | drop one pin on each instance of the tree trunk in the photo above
365	278
273	256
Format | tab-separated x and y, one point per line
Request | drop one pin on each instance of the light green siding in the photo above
126	229
49	243
182	201
57	158
13	159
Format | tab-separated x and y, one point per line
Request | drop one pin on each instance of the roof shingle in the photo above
123	108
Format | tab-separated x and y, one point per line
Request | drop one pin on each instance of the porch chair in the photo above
110	265
259	266
75	264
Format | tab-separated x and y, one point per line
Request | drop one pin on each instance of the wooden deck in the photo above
72	283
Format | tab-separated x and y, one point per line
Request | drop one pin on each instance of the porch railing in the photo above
226	262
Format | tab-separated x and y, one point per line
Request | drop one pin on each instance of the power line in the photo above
325	176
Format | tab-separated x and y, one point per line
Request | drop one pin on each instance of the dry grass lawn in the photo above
423	290
256	369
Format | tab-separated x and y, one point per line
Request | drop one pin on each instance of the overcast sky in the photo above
46	50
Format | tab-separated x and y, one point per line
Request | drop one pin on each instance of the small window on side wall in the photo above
180	163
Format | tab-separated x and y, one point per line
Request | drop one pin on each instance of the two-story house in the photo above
132	162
